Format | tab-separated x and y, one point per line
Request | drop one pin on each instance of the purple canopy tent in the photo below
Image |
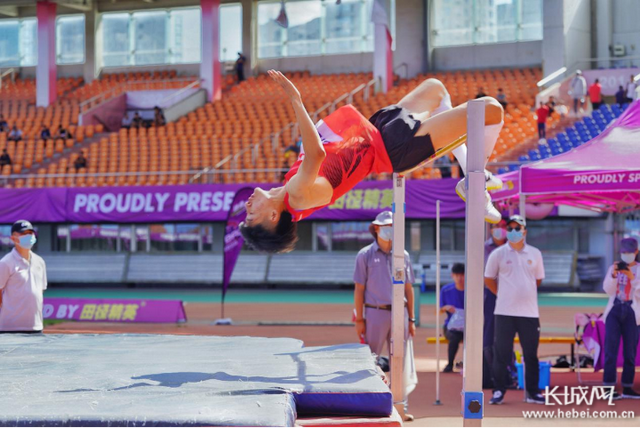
602	175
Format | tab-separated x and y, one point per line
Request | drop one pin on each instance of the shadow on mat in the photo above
178	379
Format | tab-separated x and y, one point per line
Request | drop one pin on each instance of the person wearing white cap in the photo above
578	90
513	273
374	290
23	279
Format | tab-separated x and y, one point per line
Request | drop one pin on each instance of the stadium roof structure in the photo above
602	175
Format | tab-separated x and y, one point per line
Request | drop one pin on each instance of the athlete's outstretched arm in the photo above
313	150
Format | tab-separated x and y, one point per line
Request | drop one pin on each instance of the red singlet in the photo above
354	150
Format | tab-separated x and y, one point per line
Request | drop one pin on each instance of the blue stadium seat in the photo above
523	158
514	167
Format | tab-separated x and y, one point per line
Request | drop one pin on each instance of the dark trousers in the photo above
620	323
454	337
542	130
596	105
528	330
240	74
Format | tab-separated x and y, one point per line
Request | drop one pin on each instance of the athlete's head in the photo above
269	227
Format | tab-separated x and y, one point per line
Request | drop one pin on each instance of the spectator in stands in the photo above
5	159
631	89
80	162
45	133
595	94
480	93
373	291
514	273
502	98
158	117
621	96
542	113
15	134
23	279
136	122
240	66
3	124
62	133
551	103
498	239
622	317
578	90
452	301
444	165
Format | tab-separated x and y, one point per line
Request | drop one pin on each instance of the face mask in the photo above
628	258
386	233
515	236
27	241
499	234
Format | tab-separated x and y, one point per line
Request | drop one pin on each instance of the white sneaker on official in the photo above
493	183
535	399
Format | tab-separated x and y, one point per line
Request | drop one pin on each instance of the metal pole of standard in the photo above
397	307
472	396
437	402
523	206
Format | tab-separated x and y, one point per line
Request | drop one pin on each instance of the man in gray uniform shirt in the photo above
374	289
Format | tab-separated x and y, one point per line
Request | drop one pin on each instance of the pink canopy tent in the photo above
602	175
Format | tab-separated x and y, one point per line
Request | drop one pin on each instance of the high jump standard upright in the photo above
472	396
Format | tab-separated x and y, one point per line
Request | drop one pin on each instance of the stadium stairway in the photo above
574	135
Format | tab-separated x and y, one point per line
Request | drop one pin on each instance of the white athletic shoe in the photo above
493	183
491	214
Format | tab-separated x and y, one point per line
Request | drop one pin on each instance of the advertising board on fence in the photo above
114	310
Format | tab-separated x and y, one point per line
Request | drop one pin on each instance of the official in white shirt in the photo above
513	273
23	279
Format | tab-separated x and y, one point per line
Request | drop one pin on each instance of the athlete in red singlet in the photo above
345	147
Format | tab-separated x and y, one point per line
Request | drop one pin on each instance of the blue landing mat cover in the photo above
134	380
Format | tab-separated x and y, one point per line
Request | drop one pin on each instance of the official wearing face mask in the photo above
497	239
23	279
622	317
374	291
514	272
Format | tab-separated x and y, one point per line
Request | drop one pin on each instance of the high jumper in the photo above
345	147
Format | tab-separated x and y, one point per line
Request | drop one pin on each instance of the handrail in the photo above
117	90
551	77
198	173
10	71
406	69
194	84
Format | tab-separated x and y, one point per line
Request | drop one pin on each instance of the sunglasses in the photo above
517	228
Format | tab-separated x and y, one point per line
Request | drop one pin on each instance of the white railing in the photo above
195	84
136	85
208	174
274	138
8	72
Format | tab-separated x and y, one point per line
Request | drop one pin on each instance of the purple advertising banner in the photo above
114	310
233	239
209	202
